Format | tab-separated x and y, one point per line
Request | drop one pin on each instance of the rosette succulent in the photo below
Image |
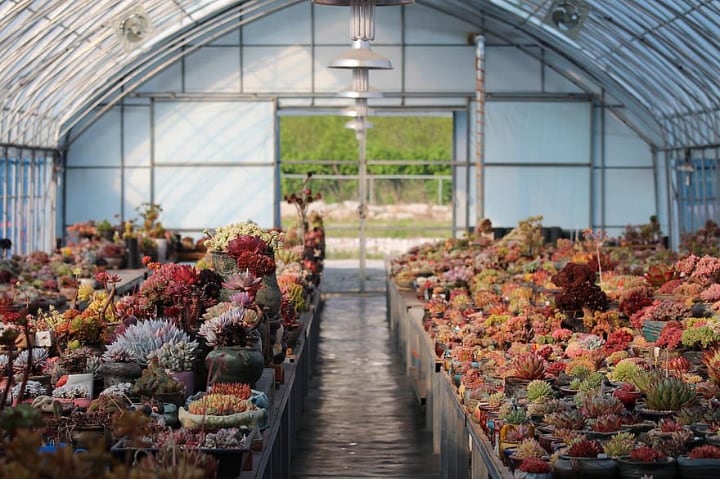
143	338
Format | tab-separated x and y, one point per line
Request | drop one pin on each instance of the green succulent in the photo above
538	390
620	444
669	394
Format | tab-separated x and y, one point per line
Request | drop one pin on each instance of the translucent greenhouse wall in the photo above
200	137
28	181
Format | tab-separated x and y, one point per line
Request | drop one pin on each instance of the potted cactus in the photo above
701	463
584	459
646	461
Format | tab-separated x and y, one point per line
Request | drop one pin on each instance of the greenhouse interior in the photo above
459	205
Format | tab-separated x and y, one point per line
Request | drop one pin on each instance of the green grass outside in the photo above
390	228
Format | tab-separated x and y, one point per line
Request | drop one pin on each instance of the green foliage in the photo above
393	138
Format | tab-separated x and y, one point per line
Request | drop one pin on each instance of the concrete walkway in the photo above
361	418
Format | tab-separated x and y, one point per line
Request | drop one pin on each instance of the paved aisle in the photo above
361	418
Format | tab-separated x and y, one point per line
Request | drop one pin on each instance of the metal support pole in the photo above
362	193
479	128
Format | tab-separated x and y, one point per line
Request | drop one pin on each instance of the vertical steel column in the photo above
362	192
6	213
479	128
32	216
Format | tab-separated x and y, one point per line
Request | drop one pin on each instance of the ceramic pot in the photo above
238	364
566	467
629	469
689	468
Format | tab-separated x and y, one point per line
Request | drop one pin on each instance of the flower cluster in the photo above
221	237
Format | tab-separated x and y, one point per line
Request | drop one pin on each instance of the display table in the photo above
287	400
464	450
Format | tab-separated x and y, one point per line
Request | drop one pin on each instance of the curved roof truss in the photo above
657	58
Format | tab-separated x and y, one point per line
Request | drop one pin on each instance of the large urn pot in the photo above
235	364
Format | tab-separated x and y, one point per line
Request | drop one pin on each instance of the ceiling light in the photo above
567	16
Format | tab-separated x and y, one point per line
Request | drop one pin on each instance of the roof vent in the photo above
567	16
133	27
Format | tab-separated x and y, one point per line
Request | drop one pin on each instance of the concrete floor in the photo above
361	417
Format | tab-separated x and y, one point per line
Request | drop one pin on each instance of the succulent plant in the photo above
535	465
496	399
711	359
620	444
73	391
669	394
226	329
154	380
679	364
644	378
596	405
33	389
243	391
647	454
607	423
705	452
585	448
119	389
529	366
623	371
529	448
38	356
92	366
516	416
226	438
218	405
142	338
538	390
572	419
175	356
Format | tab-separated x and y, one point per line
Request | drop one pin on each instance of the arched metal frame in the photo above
657	58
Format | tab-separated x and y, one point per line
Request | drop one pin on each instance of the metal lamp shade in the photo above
361	56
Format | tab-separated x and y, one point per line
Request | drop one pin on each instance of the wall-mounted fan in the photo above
133	27
567	16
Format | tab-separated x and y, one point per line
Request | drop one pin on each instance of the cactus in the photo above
584	448
538	390
621	444
218	405
529	366
669	394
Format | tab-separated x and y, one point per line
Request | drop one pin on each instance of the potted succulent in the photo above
525	449
235	358
701	463
155	383
621	444
534	468
177	359
526	367
585	459
218	409
648	461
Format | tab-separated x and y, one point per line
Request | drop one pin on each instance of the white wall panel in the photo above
213	69
136	138
288	26
427	26
191	132
522	132
277	69
202	197
560	195
92	193
446	69
100	144
508	69
622	146
167	80
556	83
629	196
137	190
